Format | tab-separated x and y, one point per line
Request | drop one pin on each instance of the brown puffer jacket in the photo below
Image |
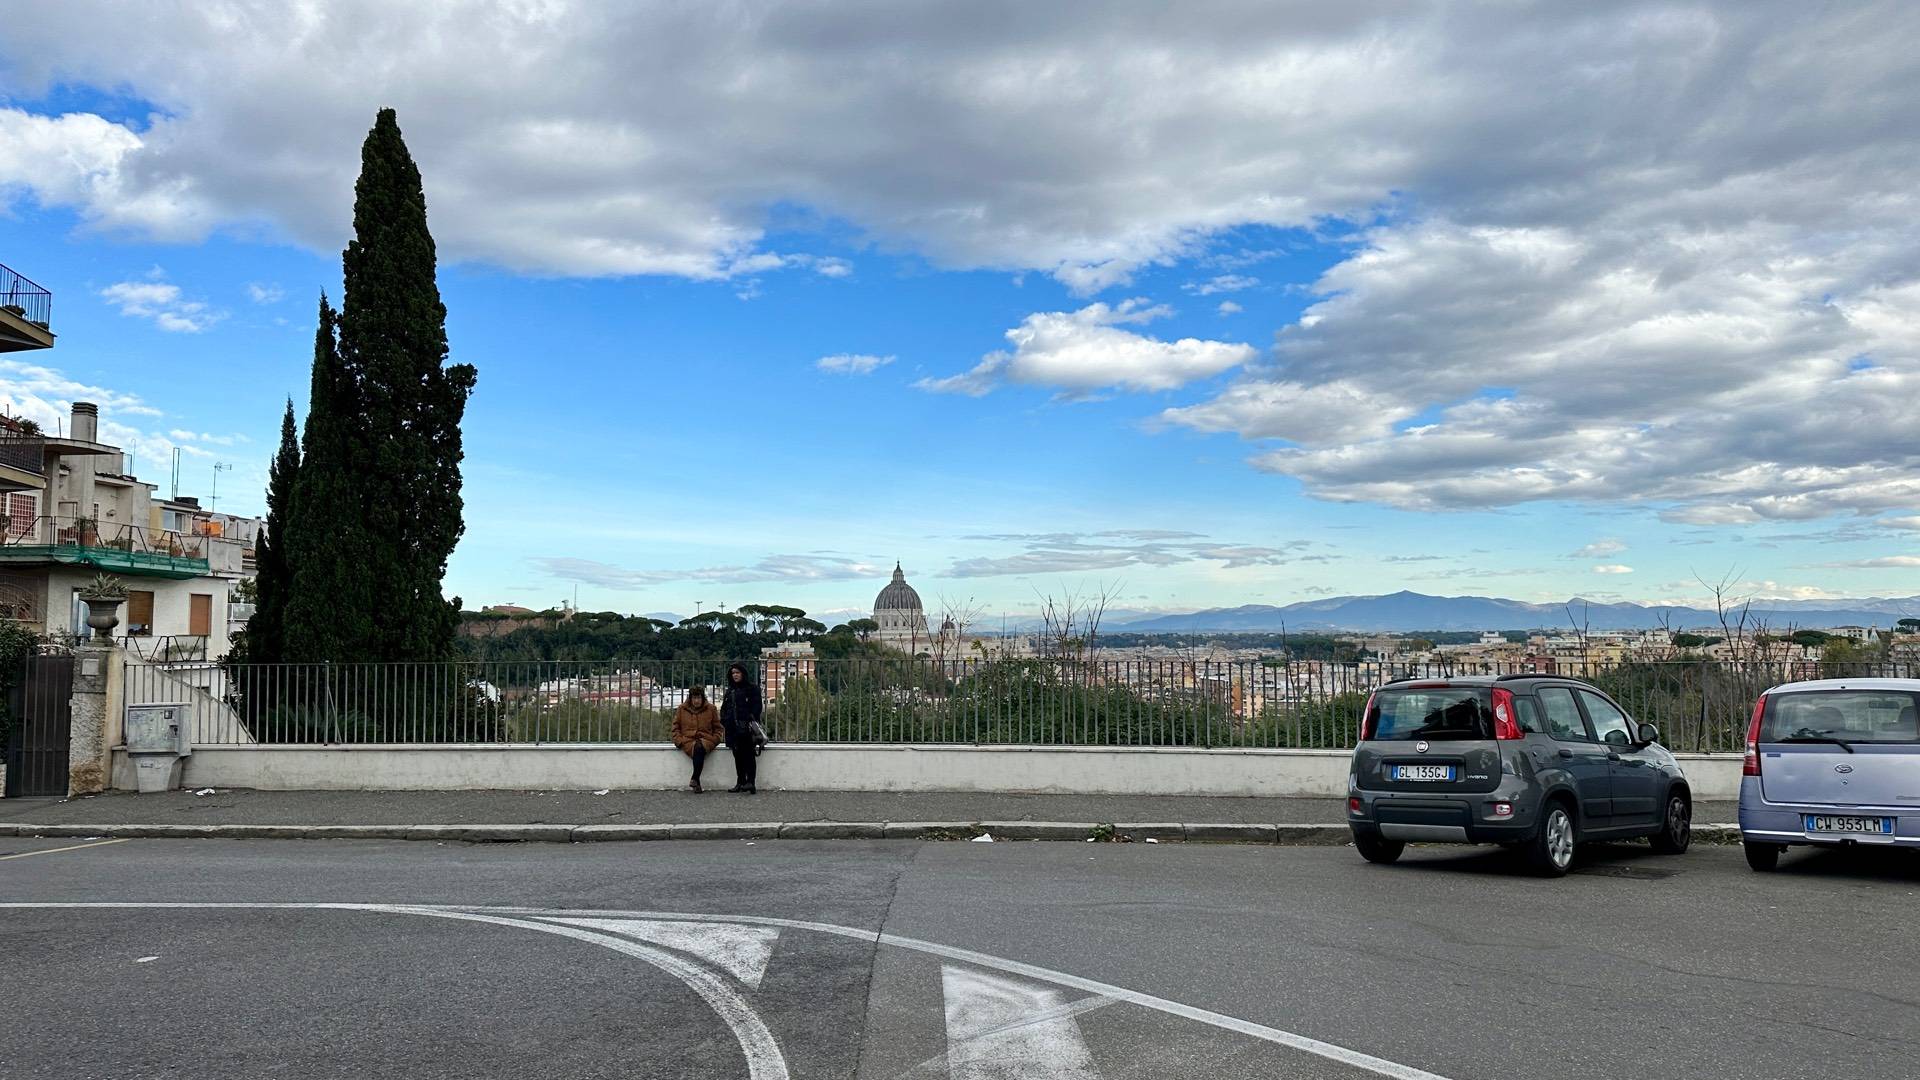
702	727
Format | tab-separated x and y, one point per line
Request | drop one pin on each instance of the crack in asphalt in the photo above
873	951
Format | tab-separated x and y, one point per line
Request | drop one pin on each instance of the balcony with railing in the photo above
23	461
116	549
26	309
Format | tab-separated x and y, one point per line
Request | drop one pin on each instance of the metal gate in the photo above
41	706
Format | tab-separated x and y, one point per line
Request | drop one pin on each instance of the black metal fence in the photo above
23	298
1700	706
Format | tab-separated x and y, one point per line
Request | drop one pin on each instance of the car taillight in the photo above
1506	720
1750	765
1366	718
1353	805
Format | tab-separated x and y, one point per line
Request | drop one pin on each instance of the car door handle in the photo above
1566	753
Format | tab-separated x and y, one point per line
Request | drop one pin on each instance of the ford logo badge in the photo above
1843	768
1421	748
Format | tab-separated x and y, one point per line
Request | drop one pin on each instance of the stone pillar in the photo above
89	754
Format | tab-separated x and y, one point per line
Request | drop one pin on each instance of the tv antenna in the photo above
213	497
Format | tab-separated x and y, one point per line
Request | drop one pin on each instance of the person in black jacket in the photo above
740	713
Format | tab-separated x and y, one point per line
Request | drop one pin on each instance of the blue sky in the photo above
1212	350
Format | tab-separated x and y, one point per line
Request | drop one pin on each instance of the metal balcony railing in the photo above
23	298
161	549
25	452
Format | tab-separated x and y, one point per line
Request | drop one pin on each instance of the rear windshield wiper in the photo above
1812	736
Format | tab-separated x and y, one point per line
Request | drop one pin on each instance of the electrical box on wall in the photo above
158	728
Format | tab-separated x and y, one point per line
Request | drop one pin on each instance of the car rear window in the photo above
1863	716
1435	714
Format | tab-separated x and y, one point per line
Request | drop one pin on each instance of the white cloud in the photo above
1900	522
1223	283
829	266
162	302
1617	253
773	568
1116	549
852	363
1889	562
1090	279
265	294
1087	350
1228	307
1599	549
46	395
185	436
1612	568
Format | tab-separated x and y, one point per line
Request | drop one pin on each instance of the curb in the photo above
1217	833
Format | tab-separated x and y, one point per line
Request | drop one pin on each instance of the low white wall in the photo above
810	767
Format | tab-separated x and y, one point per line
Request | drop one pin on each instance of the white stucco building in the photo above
71	511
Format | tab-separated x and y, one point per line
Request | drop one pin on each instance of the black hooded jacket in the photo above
741	706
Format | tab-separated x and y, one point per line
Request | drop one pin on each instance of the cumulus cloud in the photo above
1087	350
162	302
1901	522
265	294
1228	307
852	363
1057	553
773	568
1599	549
1648	252
1612	568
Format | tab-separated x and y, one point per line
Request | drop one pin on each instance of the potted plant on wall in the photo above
87	530
103	596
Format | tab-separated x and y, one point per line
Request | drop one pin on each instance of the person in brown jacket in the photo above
696	731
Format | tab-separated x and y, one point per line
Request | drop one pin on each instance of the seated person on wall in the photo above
697	731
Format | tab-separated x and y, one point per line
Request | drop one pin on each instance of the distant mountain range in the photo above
1405	611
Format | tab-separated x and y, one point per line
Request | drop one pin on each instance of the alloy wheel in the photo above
1560	838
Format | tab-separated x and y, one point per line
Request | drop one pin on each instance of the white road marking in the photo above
1316	1047
740	951
764	1060
57	850
993	1033
146	960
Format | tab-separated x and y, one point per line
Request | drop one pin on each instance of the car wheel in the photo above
1676	829
1763	857
1551	850
1376	848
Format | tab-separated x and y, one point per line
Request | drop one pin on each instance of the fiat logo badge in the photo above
1421	748
1843	768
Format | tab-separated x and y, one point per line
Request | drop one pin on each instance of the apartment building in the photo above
72	510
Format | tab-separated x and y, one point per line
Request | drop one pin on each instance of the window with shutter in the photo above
139	613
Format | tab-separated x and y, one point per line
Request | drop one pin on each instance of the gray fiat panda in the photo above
1539	763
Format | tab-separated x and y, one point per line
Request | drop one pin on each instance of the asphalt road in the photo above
961	960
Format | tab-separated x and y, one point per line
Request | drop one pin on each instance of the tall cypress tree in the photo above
393	340
265	638
329	610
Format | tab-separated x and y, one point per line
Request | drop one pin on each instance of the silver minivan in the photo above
1832	761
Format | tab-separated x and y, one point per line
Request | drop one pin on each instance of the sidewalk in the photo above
579	815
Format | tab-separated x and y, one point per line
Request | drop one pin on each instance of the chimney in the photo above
86	422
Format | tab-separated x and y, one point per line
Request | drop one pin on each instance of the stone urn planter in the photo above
103	597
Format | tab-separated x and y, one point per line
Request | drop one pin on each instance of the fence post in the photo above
89	745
